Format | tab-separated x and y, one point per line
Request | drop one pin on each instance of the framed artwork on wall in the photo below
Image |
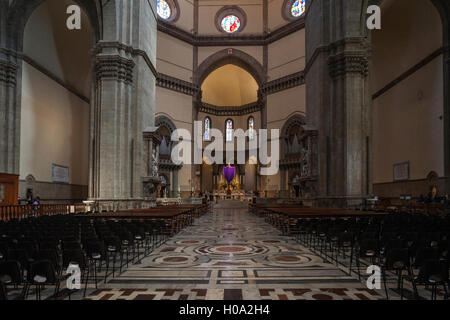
60	174
401	171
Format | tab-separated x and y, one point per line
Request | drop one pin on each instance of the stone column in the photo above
123	103
10	97
339	106
112	142
350	132
263	100
175	182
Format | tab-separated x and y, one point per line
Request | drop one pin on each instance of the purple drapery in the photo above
229	173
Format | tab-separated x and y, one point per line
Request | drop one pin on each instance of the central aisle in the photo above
230	254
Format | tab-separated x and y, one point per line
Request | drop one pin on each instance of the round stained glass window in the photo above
163	9
298	8
231	24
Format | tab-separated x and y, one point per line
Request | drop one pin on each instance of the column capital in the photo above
8	73
114	67
123	50
348	63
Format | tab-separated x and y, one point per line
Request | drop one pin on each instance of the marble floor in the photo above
230	254
233	255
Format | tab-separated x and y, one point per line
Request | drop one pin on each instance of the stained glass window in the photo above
229	130
251	128
163	9
298	8
231	24
207	133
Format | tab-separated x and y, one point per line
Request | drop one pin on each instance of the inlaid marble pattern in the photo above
234	294
230	254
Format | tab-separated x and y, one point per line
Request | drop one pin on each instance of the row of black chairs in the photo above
38	251
412	246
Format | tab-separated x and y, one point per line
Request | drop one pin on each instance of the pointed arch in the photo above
296	121
21	10
235	57
166	122
166	128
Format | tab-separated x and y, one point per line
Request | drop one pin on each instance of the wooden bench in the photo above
176	217
258	208
284	218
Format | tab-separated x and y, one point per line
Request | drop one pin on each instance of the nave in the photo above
232	255
229	254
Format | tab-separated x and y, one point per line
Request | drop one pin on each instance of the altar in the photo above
229	185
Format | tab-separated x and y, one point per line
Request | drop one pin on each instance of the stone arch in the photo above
442	6
166	128
432	176
166	122
235	57
296	120
21	10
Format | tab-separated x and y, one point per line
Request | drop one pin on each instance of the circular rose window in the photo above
298	8
231	24
163	9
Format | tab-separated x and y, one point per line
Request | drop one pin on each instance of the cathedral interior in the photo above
94	95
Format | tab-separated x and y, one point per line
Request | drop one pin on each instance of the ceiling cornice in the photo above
290	81
284	83
230	110
231	40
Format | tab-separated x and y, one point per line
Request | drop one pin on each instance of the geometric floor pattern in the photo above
229	254
232	255
234	294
